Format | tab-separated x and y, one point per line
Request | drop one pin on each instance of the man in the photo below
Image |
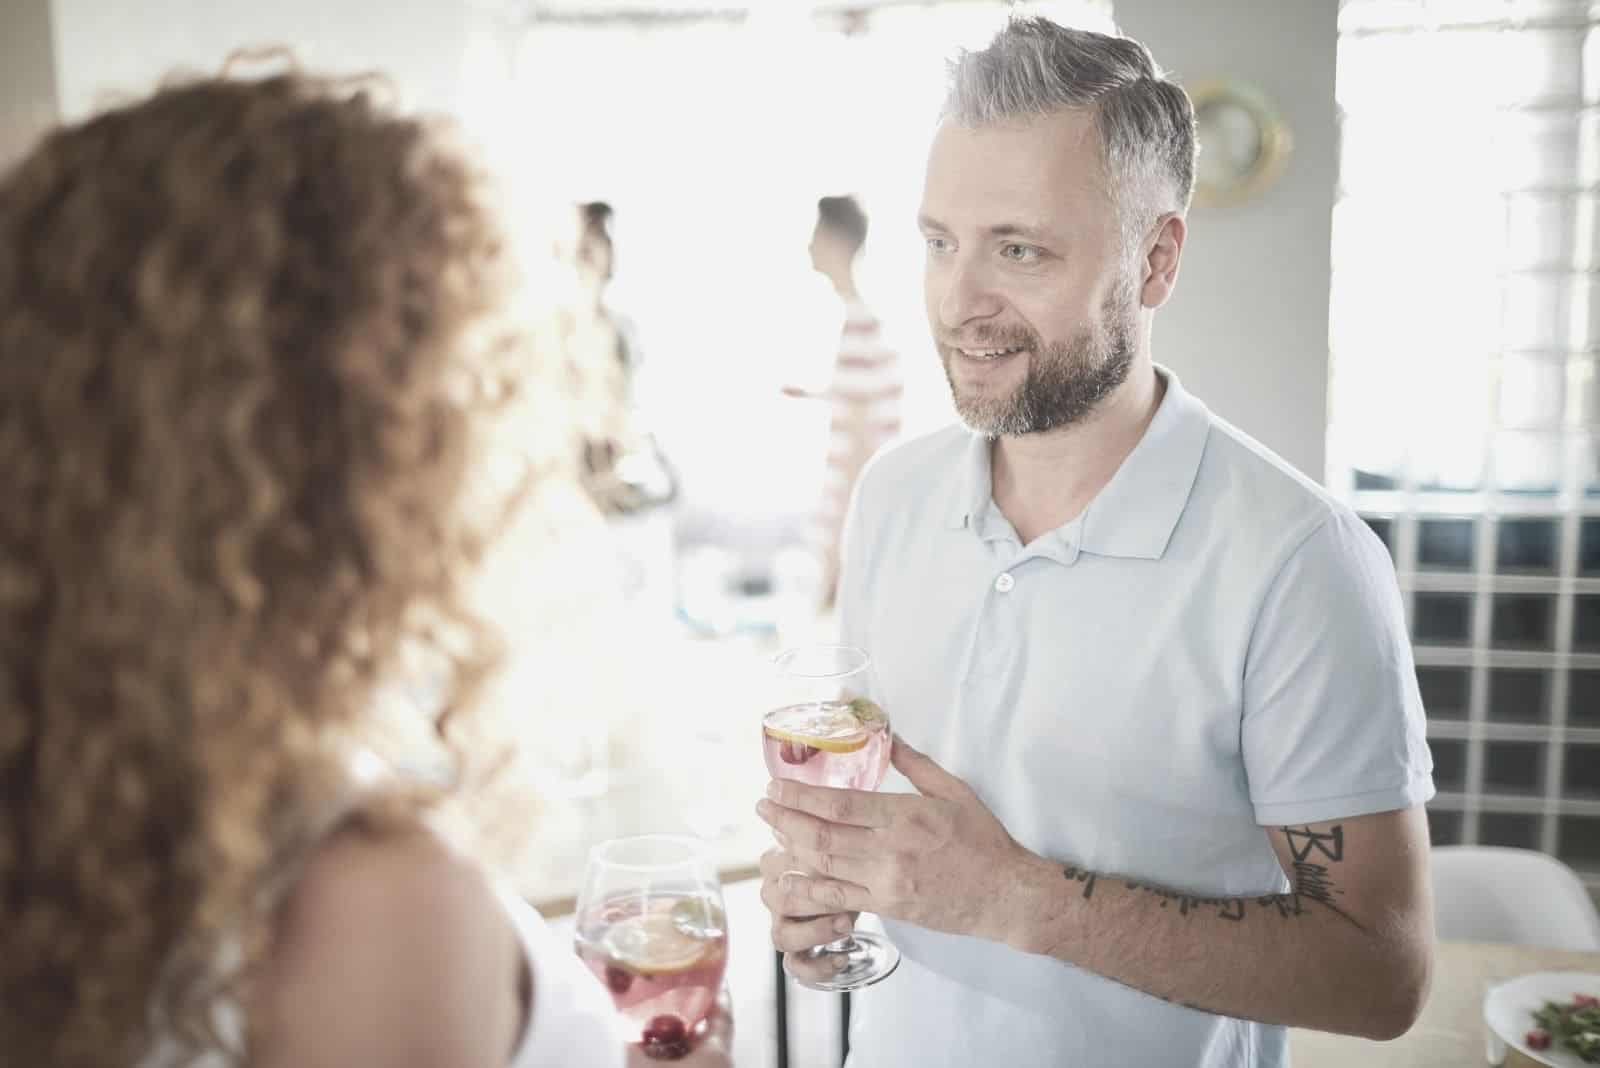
1170	802
865	392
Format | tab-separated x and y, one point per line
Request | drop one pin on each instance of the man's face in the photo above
830	251
594	257
1032	306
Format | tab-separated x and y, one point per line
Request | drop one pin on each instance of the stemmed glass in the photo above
824	730
651	926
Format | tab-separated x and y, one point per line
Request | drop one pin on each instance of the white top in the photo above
1215	645
573	1021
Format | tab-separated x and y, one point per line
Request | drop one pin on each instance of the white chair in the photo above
1491	894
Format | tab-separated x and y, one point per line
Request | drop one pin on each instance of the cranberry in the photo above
1585	1001
618	979
666	1037
1538	1038
666	1028
667	1051
797	752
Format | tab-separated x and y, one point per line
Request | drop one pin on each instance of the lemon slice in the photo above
833	728
653	944
868	712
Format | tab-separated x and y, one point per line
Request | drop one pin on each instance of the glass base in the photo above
853	962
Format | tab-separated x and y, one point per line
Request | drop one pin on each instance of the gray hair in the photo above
1035	67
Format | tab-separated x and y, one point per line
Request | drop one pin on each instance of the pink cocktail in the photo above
828	743
825	731
651	927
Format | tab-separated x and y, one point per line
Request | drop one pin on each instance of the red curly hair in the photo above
247	331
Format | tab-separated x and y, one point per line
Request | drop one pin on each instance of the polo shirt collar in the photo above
1135	514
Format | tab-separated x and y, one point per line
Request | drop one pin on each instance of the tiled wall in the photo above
1465	385
1505	622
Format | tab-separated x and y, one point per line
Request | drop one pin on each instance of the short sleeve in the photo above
1333	724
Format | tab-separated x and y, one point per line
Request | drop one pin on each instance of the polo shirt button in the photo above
1004	583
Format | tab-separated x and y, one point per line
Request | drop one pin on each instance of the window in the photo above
1465	334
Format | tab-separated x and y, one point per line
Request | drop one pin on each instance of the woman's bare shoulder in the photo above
391	949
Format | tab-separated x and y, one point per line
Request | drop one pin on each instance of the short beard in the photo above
1066	381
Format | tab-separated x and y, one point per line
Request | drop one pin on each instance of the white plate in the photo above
1508	1009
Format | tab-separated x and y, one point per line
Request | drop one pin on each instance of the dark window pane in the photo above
1443	618
1444	826
1508	829
1579	842
1444	691
1517	695
1384	529
1522	621
1583	771
1449	765
1445	544
1586	622
1583	698
1526	545
1589	547
1513	767
1374	480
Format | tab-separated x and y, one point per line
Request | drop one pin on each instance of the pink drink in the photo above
662	956
827	743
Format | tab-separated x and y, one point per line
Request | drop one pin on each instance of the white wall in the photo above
119	46
27	75
1247	329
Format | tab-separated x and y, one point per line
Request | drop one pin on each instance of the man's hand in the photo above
938	859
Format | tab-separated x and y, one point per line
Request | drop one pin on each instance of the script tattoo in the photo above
1228	908
1087	878
1311	879
1305	841
1312	852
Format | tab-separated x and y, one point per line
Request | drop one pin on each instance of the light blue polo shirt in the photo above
1214	646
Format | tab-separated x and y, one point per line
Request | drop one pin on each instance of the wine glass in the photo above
823	730
652	927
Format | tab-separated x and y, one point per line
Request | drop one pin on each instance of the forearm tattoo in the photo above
1313	852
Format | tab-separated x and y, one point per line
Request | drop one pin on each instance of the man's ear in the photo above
1159	266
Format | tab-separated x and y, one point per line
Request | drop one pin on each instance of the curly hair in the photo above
247	329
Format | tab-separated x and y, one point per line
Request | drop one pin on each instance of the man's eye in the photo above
937	244
1020	253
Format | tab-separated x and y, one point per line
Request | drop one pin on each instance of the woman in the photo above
249	345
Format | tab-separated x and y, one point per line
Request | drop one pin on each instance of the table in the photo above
1450	1032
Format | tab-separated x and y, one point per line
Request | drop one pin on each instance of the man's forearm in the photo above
1297	958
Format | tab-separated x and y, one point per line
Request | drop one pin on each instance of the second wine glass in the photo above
652	928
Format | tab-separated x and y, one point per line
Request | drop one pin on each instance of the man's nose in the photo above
967	296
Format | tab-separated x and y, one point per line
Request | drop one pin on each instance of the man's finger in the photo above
925	774
863	871
774	862
803	831
793	936
805	895
855	807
